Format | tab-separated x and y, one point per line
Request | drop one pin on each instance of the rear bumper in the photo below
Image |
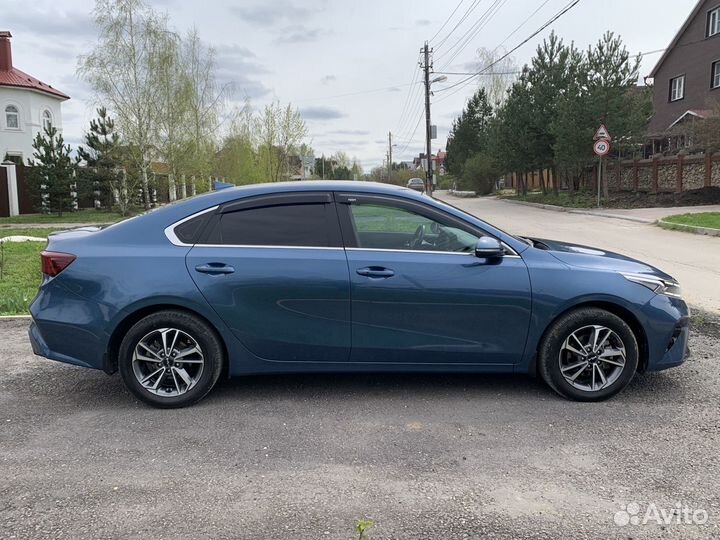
40	348
68	328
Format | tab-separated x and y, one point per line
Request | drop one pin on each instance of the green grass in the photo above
20	270
25	231
710	220
578	200
81	216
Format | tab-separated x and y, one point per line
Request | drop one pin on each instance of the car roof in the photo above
319	185
156	220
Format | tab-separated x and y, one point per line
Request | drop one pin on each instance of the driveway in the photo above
692	259
303	457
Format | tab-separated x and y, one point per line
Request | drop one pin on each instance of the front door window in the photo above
381	226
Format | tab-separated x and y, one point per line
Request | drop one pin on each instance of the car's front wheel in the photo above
588	355
170	359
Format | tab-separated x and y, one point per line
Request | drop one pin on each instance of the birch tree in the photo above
207	101
120	70
499	73
279	130
172	110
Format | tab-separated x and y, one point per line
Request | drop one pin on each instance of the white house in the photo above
26	104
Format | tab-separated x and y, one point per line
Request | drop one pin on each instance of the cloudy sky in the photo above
347	65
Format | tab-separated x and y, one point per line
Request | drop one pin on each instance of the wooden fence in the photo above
655	175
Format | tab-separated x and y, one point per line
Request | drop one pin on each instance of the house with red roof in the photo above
27	106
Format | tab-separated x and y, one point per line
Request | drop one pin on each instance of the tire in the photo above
603	376
183	346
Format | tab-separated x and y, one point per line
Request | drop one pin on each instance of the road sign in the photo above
602	133
601	147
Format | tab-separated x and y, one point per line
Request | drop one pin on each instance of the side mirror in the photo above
489	248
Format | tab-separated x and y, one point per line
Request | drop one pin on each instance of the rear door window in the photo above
295	225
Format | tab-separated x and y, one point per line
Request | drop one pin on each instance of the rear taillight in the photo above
53	262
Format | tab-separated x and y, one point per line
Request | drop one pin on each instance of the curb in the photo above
580	211
14	317
688	228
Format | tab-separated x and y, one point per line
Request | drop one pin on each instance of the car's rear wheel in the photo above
170	359
588	355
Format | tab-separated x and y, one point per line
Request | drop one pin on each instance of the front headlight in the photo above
668	287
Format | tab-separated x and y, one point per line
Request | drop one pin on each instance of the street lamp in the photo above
441	78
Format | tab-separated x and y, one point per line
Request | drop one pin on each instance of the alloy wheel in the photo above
168	362
592	358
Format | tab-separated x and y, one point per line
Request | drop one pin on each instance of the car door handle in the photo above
214	269
375	272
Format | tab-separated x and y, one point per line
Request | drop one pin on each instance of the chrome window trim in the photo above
511	255
252	246
172	237
170	229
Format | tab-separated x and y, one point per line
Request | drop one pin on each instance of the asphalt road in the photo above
692	259
304	457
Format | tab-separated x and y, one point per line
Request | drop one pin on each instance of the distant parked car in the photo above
417	184
345	276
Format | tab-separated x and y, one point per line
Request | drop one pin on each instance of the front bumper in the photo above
677	347
668	334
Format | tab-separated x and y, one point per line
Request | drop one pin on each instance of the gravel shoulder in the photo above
424	456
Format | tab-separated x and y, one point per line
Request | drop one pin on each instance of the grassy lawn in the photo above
711	220
578	200
20	270
81	216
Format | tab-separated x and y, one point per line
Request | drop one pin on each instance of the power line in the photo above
473	31
447	20
415	104
361	92
646	53
511	34
472	72
412	137
403	135
555	17
475	4
408	98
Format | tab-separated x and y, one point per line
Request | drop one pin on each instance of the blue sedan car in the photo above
345	276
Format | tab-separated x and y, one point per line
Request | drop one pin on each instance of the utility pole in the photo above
389	154
428	143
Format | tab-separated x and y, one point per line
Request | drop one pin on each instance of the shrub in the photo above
479	174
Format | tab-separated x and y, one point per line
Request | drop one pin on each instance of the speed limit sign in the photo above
601	147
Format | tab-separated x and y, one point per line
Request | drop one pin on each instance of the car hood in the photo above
595	258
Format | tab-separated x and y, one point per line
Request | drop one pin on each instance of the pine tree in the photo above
105	176
99	154
102	142
469	132
52	170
